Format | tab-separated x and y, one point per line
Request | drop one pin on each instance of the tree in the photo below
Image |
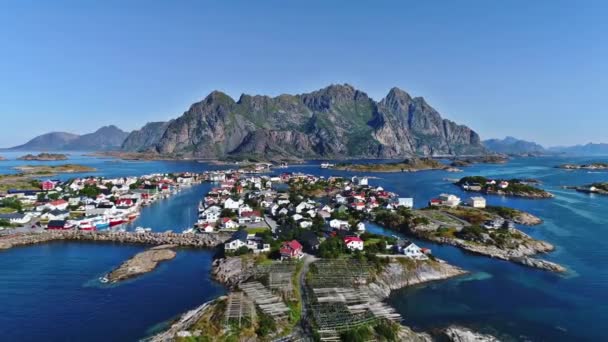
90	191
12	202
332	248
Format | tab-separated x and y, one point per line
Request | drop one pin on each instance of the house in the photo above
361	226
47	185
228	223
232	204
305	224
406	202
503	184
238	240
412	251
125	202
358	205
324	214
354	243
212	214
340	199
57	225
449	200
477	202
494	224
244	209
471	187
339	224
291	250
283	211
297	217
303	206
16	218
55	215
59	204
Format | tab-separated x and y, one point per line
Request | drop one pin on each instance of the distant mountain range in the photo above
105	138
338	121
510	145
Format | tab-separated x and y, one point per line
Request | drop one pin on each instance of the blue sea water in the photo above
50	291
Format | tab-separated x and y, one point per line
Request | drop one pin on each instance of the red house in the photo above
126	202
291	250
47	185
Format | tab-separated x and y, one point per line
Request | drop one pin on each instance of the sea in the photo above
52	292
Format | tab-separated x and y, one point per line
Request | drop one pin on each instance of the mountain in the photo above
145	138
589	149
48	141
338	121
510	145
105	138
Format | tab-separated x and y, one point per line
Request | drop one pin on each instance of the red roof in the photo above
350	239
226	219
58	202
254	213
293	244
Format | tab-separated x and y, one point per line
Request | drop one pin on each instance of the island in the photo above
141	263
592	166
594	188
502	187
484	159
44	157
53	169
407	165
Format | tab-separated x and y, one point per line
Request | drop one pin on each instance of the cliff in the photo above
338	121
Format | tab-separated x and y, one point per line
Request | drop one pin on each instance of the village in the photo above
87	204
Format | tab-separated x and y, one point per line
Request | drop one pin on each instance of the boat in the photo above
104	280
189	231
86	225
101	222
115	221
132	216
326	165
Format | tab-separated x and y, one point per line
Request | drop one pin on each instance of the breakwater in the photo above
199	240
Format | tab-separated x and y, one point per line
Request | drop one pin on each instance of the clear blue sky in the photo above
531	69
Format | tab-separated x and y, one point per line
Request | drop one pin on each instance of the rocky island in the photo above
594	188
407	165
592	166
44	157
141	263
483	159
502	187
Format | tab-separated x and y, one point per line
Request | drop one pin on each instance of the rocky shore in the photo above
398	274
141	263
201	240
44	157
520	254
592	166
456	333
408	165
232	271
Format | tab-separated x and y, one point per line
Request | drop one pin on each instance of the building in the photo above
47	185
291	250
406	202
477	202
16	218
238	240
339	224
354	243
361	226
411	250
59	204
228	223
57	225
449	200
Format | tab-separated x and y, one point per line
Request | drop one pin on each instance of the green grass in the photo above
257	230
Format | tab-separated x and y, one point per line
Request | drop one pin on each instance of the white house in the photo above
361	226
232	204
16	218
303	206
353	243
228	223
477	202
340	199
406	202
212	214
305	224
413	251
244	209
338	224
449	200
297	217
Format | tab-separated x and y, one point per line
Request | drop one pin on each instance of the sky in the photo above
536	70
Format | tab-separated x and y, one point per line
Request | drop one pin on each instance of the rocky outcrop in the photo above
232	271
338	121
184	322
526	219
510	145
141	263
407	272
460	334
200	240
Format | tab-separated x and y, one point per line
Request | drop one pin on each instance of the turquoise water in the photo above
49	291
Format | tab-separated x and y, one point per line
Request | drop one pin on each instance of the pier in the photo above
198	240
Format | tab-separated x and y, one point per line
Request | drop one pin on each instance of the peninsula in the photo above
595	188
502	187
407	165
44	157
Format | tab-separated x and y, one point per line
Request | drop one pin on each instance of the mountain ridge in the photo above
337	121
105	138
